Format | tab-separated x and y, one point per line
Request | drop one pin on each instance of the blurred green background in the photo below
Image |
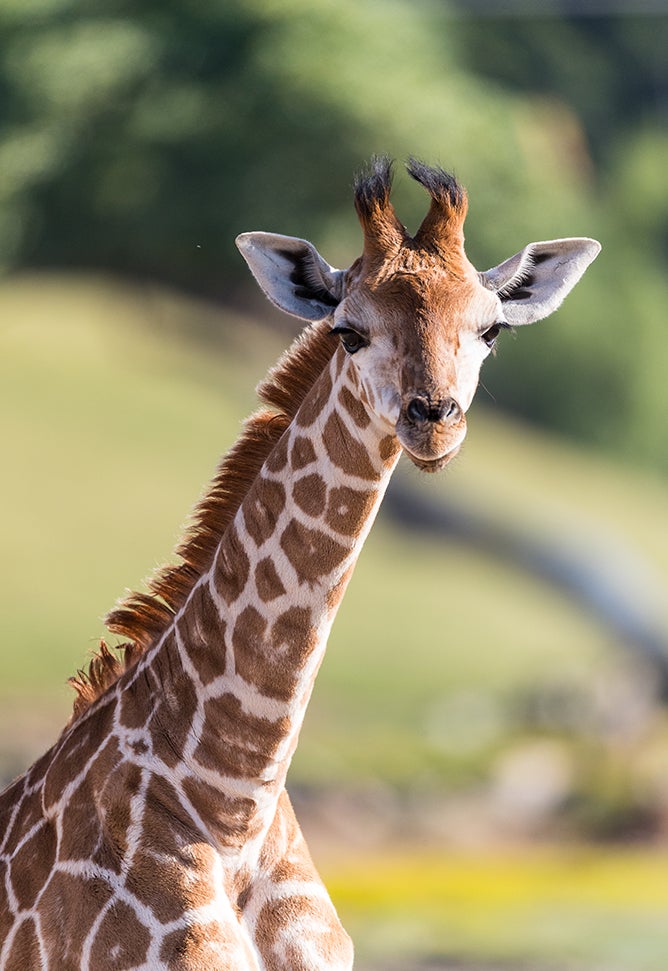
483	772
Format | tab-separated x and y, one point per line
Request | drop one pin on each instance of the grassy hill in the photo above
450	675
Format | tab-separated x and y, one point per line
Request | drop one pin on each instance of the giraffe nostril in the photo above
417	410
449	411
420	410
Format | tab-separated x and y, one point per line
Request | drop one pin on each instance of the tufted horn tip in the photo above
449	203
383	232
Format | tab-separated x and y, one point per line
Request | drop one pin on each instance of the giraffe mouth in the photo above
432	465
430	450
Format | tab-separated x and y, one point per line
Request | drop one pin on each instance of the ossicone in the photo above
444	223
384	234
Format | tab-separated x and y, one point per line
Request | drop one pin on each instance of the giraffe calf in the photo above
157	833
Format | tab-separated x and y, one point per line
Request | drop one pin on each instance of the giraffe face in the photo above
414	317
417	329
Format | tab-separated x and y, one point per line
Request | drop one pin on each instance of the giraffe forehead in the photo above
423	297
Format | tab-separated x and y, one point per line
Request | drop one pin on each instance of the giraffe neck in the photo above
227	687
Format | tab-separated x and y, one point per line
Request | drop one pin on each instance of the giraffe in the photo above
157	832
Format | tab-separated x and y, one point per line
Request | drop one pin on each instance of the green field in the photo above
117	401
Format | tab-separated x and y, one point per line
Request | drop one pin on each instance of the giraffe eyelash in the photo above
352	340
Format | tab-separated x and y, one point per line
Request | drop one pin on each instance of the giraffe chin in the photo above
432	465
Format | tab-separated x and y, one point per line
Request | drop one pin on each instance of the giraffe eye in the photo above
489	336
351	340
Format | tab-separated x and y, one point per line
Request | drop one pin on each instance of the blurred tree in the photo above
142	138
611	69
612	72
138	139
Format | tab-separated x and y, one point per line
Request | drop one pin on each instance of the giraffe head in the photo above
413	314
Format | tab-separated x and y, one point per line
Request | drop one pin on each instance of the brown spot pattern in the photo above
155	879
311	552
249	630
122	941
32	865
310	493
231	821
248	644
201	947
137	698
231	567
236	743
102	769
295	638
317	399
115	824
28	816
24	952
166	821
303	453
202	631
272	662
354	407
75	750
282	950
388	448
174	705
68	908
278	457
262	508
269	584
81	827
292	869
346	452
348	509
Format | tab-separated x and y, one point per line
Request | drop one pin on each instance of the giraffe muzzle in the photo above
431	430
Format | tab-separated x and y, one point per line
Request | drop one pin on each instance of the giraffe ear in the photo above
292	274
533	283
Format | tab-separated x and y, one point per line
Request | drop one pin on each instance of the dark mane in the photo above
143	618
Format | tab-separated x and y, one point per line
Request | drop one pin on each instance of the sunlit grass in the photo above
576	908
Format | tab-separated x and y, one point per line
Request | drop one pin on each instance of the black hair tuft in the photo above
439	184
373	185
